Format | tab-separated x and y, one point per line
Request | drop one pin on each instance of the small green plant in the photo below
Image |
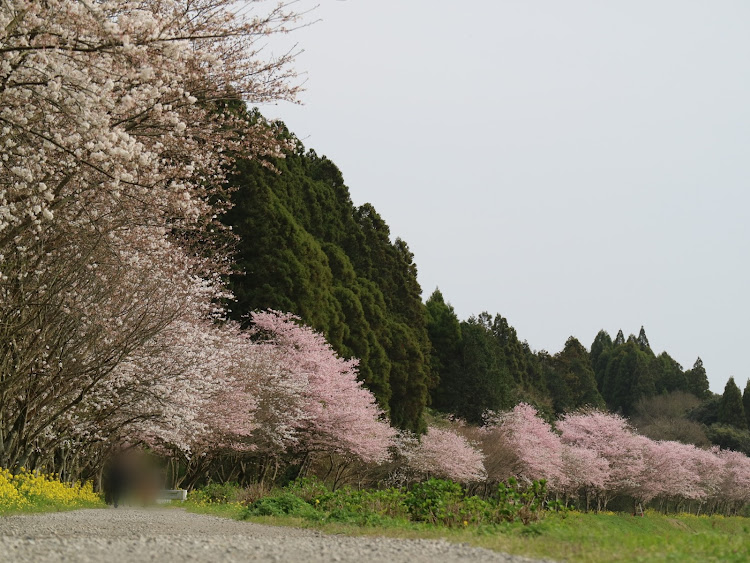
363	507
476	511
516	501
217	493
435	501
282	504
307	488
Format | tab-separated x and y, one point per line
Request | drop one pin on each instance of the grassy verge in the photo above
573	537
41	506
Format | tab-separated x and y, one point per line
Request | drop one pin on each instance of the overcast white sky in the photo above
572	165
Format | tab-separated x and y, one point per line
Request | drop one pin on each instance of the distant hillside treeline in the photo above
481	364
304	247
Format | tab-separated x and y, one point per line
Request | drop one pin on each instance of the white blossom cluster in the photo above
112	156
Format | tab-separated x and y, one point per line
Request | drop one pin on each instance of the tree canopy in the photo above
304	247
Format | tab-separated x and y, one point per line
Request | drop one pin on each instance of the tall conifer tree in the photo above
620	338
576	382
643	340
697	380
731	411
305	248
444	331
601	349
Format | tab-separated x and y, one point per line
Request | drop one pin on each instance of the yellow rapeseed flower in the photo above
26	487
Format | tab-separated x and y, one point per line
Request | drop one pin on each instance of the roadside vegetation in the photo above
513	520
28	491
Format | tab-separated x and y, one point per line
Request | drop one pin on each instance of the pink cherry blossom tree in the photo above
342	416
443	453
585	473
614	441
735	485
671	472
535	450
113	155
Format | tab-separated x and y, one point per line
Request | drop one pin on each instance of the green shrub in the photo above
436	501
217	492
388	502
282	504
476	511
308	488
348	504
516	501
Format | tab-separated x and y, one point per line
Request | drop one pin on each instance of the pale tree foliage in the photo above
68	345
666	470
681	472
613	440
443	453
339	415
285	396
597	455
671	472
585	471
710	468
111	152
520	444
99	103
735	486
228	398
536	452
182	391
279	396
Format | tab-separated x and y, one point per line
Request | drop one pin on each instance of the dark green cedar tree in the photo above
575	382
731	410
304	247
697	380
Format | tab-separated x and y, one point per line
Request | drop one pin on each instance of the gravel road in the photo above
172	535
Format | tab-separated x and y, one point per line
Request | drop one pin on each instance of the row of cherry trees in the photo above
111	165
595	456
111	178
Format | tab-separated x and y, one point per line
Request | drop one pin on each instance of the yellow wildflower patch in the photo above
10	498
28	488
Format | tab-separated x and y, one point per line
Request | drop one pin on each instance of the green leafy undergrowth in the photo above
438	509
435	501
572	537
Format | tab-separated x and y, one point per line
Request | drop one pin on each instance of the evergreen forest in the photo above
304	246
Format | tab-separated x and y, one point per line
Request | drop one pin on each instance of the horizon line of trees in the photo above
481	365
304	247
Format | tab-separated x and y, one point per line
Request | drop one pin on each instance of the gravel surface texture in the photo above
172	535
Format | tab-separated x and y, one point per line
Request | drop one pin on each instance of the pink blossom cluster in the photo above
200	388
443	453
599	454
339	414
